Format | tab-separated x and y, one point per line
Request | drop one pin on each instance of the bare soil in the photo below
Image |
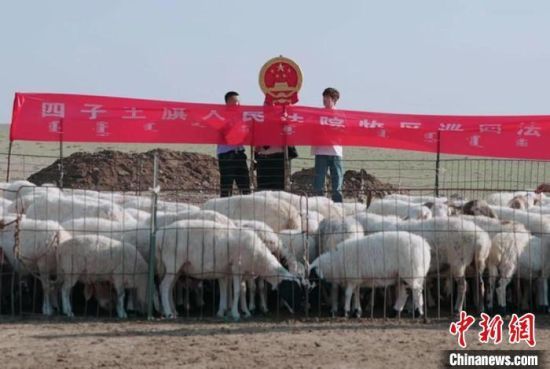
253	344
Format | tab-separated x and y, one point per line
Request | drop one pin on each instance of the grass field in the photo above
401	168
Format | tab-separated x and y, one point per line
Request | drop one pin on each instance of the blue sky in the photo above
436	56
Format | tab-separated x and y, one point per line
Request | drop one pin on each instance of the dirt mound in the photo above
182	175
119	171
356	184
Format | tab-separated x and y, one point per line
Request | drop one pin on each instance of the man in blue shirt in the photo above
232	161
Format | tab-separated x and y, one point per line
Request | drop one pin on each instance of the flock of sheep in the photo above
294	243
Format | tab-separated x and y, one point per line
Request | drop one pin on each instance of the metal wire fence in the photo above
106	250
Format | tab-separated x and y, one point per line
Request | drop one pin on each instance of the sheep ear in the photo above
88	291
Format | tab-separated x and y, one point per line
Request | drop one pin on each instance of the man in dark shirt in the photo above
232	161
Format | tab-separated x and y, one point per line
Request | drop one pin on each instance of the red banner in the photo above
82	118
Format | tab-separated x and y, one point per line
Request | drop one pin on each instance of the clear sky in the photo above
436	56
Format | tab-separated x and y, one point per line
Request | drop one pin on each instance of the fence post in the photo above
437	163
152	239
61	169
9	161
286	169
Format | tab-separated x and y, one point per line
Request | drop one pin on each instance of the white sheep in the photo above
311	220
402	209
140	216
298	201
351	208
455	242
6	208
331	232
378	223
545	210
285	255
96	258
102	226
439	210
200	249
278	214
64	208
419	199
534	265
274	244
10	190
506	198
508	240
145	204
299	243
324	206
378	260
30	247
169	218
136	235
537	224
29	195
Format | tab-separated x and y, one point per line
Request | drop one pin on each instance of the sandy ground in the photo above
188	344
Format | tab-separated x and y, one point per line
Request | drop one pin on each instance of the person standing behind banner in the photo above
329	157
232	161
270	166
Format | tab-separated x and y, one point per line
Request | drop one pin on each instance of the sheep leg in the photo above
357	302
401	298
368	298
120	302
263	296
199	296
66	289
349	292
171	296
166	295
242	294
251	295
54	297
506	275
46	304
525	295
182	295
180	298
334	299
461	293
418	300
131	300
480	293
501	293
542	290
229	293
223	297
493	273
156	300
236	294
430	296
44	277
